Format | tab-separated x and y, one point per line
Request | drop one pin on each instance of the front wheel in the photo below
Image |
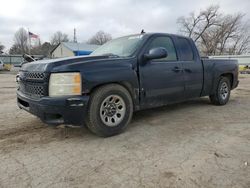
110	110
222	93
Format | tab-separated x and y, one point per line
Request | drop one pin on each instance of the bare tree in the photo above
59	37
14	49
1	48
100	38
195	25
42	49
240	41
20	42
215	33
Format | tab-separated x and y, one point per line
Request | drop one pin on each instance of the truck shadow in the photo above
139	118
172	108
35	132
68	131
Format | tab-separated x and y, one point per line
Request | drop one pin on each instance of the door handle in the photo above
177	69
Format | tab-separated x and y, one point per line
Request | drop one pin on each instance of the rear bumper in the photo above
56	111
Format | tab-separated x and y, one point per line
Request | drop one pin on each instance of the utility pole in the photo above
29	46
75	40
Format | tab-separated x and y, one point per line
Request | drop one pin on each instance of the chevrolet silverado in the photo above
124	75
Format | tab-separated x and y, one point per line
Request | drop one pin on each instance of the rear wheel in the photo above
222	93
110	110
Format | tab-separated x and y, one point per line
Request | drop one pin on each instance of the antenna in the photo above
75	40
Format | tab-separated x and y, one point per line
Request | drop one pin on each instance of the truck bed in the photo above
213	68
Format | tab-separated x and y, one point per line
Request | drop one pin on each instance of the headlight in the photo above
62	84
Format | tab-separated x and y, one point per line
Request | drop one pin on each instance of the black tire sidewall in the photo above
99	127
223	80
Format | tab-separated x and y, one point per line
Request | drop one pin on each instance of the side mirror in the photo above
156	53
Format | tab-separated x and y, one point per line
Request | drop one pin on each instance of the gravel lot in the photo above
192	144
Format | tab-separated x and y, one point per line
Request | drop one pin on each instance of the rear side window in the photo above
167	43
185	50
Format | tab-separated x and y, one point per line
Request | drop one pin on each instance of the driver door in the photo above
161	79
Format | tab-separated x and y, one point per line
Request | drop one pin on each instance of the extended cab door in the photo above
192	67
161	79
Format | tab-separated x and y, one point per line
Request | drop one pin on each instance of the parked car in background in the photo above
244	69
124	75
1	65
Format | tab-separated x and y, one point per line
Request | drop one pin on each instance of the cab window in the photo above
167	43
185	50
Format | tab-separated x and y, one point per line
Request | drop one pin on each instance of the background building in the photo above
67	49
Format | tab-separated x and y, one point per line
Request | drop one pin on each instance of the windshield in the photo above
123	47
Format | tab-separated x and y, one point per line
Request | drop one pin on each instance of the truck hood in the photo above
54	65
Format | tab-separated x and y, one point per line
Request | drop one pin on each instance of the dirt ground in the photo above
193	144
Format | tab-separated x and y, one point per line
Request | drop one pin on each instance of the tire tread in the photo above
91	119
215	98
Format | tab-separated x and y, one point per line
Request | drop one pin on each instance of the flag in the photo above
33	39
32	35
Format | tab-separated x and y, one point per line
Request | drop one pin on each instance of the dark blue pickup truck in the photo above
124	75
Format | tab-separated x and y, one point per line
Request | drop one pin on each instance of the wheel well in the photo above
124	84
230	77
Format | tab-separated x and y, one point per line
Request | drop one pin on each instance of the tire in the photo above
110	110
222	93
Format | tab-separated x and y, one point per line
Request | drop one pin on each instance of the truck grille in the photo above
32	89
34	76
34	84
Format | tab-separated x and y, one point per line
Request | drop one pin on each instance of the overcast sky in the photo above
44	17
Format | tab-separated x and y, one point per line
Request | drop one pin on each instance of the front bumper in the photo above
56	110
